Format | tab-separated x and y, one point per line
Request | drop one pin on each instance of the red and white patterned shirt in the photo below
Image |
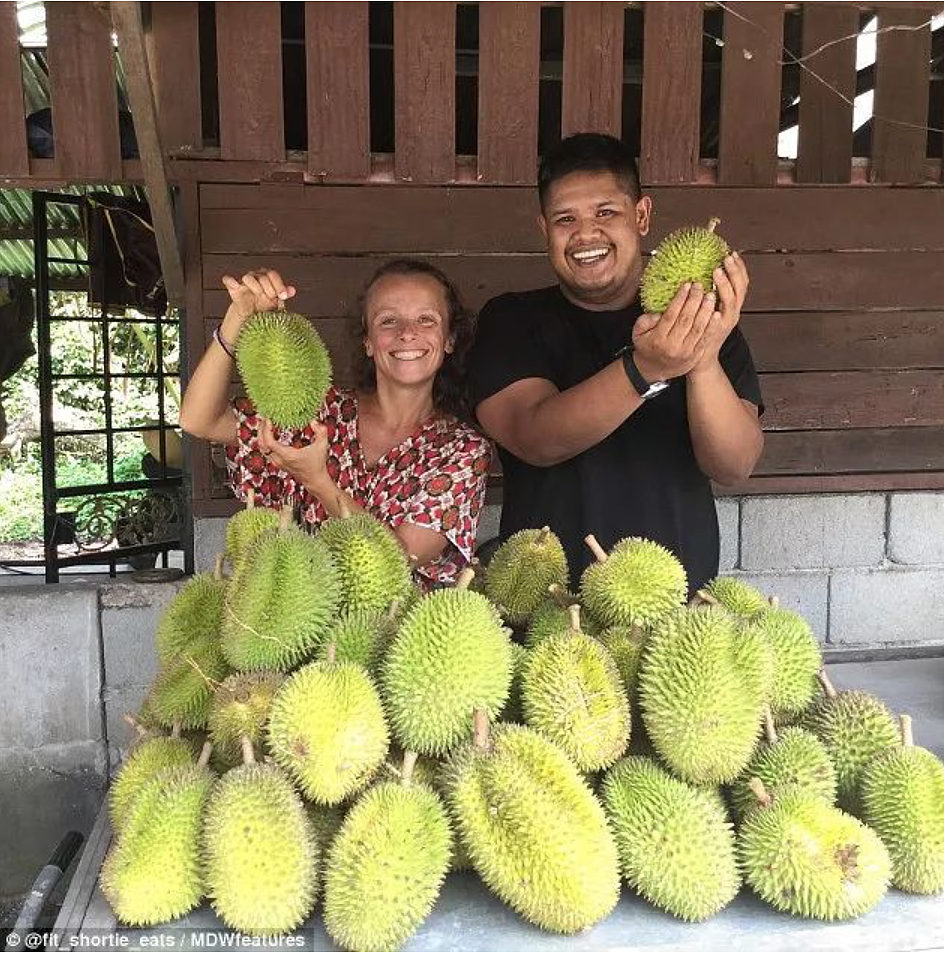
435	478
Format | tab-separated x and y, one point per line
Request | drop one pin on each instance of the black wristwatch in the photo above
643	388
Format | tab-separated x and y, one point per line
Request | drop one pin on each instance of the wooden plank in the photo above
671	92
424	65
174	61
834	483
338	77
83	90
830	400
750	93
509	64
592	92
902	88
249	58
824	150
14	157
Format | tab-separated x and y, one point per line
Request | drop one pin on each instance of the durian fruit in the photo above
522	569
903	800
183	690
736	596
676	844
245	526
791	757
640	583
689	254
625	644
327	729
513	711
451	655
806	857
571	692
387	865
285	367
240	708
281	601
153	872
326	821
371	564
536	834
362	636
855	727
703	686
150	756
552	617
193	618
260	852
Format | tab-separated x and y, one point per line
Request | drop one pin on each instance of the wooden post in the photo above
14	157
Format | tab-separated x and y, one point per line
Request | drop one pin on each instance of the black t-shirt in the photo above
643	479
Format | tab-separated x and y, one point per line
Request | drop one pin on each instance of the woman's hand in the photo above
259	290
307	465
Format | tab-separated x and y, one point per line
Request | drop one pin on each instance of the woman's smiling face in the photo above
407	327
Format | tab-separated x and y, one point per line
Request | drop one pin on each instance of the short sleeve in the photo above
506	348
735	357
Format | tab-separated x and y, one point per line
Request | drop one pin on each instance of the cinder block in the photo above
804	591
130	613
729	516
209	534
890	606
916	528
120	735
489	521
812	532
49	666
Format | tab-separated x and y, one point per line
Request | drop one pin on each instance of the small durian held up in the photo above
686	255
285	367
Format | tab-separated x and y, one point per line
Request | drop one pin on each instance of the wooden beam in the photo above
126	18
14	158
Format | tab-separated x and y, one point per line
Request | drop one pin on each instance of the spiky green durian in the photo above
689	254
552	617
193	618
371	564
536	834
285	367
281	601
245	526
183	690
571	693
450	656
326	822
902	794
386	866
792	756
513	711
625	645
737	597
327	729
640	582
260	852
148	758
703	686
361	637
523	567
804	856
240	709
855	727
153	872
676	844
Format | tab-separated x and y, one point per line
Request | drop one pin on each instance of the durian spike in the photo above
285	518
713	223
249	757
175	730
598	551
827	685
205	753
770	730
480	730
409	763
907	736
774	602
251	498
465	578
574	611
218	569
330	652
757	787
133	722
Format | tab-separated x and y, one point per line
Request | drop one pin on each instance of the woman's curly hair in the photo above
450	393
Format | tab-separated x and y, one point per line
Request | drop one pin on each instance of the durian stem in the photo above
703	596
713	223
770	730
394	609
542	536
598	551
285	518
218	569
774	602
344	505
175	730
251	498
558	594
330	653
465	578
574	612
827	685
205	752
409	763
133	722
249	757
907	736
757	787
480	729
637	632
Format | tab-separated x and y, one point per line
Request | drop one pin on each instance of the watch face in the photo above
656	388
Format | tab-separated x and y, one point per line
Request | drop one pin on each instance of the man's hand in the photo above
307	465
671	344
731	283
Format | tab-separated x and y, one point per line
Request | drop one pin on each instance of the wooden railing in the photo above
241	100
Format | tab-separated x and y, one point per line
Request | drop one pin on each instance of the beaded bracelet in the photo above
219	340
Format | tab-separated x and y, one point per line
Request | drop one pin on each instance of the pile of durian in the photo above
320	733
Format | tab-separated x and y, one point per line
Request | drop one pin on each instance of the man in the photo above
594	436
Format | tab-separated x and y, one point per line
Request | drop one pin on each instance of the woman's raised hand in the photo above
259	290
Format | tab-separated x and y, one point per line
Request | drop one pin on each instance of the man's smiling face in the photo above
593	229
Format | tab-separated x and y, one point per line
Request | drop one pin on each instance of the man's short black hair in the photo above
589	152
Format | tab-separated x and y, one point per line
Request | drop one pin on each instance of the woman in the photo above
394	446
